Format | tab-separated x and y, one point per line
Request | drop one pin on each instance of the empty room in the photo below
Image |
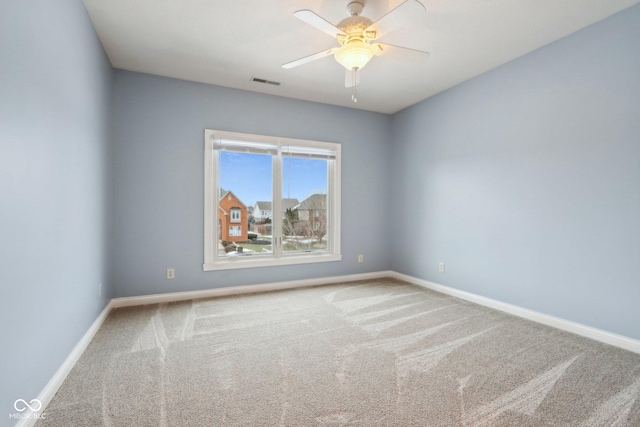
320	213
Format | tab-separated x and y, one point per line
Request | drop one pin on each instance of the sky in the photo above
249	176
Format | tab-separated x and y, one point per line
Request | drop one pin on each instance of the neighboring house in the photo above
264	210
232	218
312	214
289	204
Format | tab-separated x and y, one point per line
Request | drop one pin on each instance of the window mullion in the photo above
276	223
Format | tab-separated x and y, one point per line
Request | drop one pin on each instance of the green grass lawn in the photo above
257	248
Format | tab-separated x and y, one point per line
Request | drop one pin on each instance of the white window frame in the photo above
235	218
212	259
238	229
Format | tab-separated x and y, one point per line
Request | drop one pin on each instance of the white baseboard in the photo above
237	290
556	322
50	390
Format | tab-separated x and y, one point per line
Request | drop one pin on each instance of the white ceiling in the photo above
226	42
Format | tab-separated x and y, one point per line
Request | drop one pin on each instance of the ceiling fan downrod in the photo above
355	8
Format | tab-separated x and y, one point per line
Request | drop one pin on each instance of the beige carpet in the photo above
377	353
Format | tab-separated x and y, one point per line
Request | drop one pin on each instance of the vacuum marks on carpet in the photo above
376	353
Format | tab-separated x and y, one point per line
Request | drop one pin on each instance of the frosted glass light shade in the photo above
355	54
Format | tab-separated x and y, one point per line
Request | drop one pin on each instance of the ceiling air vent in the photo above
265	81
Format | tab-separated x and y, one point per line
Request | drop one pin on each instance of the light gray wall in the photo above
525	180
159	196
55	115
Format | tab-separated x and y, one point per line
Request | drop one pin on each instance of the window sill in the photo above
268	261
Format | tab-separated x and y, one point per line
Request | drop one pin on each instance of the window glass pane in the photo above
245	198
304	204
246	217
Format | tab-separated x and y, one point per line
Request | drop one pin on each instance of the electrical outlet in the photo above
99	289
441	267
360	258
171	274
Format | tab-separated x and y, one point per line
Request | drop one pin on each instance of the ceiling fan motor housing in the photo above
354	26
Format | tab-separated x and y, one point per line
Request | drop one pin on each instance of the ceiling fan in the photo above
355	35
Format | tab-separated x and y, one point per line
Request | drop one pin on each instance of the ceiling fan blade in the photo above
396	18
320	23
309	58
401	53
351	78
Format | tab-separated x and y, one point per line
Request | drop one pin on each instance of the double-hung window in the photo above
298	179
236	214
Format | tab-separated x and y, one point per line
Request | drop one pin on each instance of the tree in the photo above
313	217
289	222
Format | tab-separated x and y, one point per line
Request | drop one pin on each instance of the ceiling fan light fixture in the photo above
355	54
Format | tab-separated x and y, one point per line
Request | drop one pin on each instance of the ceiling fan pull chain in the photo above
354	70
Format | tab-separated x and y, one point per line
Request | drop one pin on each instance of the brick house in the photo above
312	216
232	218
